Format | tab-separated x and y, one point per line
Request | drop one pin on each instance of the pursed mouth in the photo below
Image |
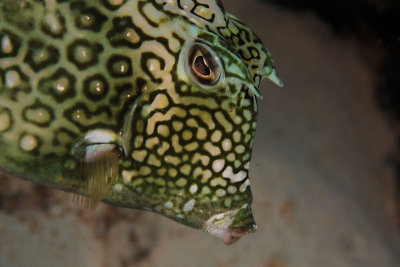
230	236
230	226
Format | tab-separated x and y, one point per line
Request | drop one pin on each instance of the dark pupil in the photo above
201	66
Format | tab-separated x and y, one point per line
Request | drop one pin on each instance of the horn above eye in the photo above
204	66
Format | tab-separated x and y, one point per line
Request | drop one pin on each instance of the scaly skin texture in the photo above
98	98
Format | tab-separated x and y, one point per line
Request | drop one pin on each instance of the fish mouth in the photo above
230	226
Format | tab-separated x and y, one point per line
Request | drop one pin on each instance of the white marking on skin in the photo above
216	136
172	172
42	55
39	115
244	185
246	103
223	121
189	205
232	189
238	177
152	160
201	133
199	157
83	52
231	157
160	102
181	182
213	150
187	4
240	149
137	182
152	142
159	117
181	193
12	79
98	86
6	45
152	67
115	2
169	205
5	121
87	20
218	181
192	146
29	142
175	144
237	119
237	163
247	115
163	148
246	127
207	174
163	130
193	188
221	192
206	190
101	136
237	136
205	116
187	135
60	87
226	145
218	165
144	170
132	36
51	4
247	165
127	176
118	188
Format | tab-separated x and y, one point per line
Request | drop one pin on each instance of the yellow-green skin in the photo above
78	78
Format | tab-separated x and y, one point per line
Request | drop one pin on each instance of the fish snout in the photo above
230	226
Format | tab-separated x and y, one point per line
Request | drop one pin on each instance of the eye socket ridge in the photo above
204	66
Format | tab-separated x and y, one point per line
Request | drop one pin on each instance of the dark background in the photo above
374	22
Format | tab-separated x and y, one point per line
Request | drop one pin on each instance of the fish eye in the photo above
204	65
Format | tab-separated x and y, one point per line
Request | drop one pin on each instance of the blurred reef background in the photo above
325	171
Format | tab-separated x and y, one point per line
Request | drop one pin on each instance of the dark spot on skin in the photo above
60	85
59	33
119	66
41	55
95	87
83	53
88	18
15	42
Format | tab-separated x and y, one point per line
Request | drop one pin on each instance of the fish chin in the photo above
230	226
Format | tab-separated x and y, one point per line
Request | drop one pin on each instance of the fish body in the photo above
140	104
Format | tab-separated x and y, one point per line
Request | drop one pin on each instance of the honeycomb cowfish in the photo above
144	104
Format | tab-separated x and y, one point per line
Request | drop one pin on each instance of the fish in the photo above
143	104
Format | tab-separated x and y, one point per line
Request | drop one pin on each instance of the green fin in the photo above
254	53
97	155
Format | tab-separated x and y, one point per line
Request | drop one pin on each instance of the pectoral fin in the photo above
97	155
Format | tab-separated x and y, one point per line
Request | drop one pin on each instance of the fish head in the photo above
191	139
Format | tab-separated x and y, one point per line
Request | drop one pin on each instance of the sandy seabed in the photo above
324	192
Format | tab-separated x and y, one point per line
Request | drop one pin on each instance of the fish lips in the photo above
230	226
